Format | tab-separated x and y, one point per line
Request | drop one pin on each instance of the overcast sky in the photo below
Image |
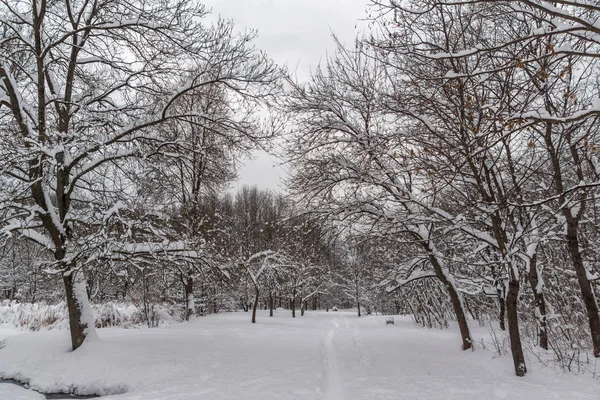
296	33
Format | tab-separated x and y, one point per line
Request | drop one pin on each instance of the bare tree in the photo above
347	154
84	86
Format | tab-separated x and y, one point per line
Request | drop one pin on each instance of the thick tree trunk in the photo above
302	307
585	285
513	328
271	304
255	305
189	298
81	320
293	307
540	301
358	306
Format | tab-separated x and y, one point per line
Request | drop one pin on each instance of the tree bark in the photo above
585	285
81	321
511	299
302	307
540	302
459	311
293	307
189	298
513	328
502	316
572	222
271	304
255	305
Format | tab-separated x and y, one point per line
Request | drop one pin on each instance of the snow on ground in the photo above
13	392
8	331
329	356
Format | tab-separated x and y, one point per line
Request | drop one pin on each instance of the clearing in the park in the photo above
329	356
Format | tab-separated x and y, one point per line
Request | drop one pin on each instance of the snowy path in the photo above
334	388
321	356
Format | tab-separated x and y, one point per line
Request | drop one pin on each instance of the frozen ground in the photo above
329	356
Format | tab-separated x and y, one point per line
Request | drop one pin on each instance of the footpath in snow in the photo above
328	356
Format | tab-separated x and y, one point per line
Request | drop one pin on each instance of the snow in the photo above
81	298
36	316
330	356
14	392
191	303
334	387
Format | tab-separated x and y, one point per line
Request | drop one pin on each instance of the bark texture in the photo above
513	328
255	305
457	306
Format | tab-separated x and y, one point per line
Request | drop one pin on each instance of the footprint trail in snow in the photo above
334	388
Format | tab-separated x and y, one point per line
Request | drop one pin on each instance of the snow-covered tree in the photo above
86	86
349	158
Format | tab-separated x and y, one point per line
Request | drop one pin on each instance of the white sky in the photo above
296	33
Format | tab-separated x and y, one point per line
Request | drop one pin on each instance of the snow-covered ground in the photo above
14	392
330	356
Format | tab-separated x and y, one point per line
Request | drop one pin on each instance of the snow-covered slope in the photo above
330	356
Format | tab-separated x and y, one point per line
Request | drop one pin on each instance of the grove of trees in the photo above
466	132
445	165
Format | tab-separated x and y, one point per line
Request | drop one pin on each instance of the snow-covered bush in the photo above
36	316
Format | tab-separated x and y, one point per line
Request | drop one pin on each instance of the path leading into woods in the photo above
321	356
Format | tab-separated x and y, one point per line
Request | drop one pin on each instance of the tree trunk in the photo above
81	320
357	294
189	298
459	311
148	309
271	304
502	316
585	285
293	307
540	301
255	306
215	304
302	307
513	327
572	222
